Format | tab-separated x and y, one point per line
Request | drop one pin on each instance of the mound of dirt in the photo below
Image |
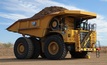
48	10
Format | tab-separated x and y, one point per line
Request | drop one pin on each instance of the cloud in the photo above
18	6
5	23
101	22
12	16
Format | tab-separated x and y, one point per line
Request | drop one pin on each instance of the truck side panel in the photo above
36	28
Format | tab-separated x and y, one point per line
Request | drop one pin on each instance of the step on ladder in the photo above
98	48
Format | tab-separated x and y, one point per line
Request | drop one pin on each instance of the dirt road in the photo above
68	61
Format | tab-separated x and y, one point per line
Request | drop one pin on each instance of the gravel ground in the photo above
11	60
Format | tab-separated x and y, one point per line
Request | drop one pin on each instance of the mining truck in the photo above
55	34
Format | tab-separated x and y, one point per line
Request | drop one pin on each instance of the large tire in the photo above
42	53
78	54
37	48
23	48
54	48
54	24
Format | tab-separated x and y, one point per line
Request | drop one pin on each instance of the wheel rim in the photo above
54	24
20	48
53	48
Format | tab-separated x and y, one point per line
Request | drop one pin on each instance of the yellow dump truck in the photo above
53	35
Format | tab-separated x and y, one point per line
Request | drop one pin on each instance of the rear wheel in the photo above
78	54
42	53
36	46
23	48
54	47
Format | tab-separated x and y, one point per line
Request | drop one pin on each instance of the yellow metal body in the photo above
39	27
31	27
25	26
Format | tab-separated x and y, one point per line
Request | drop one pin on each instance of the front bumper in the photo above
88	49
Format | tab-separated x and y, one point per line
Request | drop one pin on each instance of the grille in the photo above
82	36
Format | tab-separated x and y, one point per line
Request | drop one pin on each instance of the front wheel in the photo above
54	47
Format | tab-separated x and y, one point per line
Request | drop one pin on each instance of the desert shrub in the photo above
8	45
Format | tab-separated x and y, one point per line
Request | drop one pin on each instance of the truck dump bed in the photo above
38	26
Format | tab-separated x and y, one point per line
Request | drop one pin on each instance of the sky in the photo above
12	10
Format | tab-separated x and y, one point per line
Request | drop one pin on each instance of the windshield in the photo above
84	25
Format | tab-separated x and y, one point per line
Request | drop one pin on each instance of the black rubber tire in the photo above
42	55
51	24
62	52
28	48
78	54
36	46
